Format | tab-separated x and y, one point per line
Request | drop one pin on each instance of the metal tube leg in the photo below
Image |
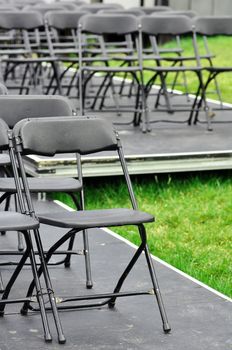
166	326
89	281
61	337
47	334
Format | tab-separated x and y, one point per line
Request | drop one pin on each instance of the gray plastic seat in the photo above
49	136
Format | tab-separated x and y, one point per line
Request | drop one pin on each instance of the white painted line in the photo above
194	280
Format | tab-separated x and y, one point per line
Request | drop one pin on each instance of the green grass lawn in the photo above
193	228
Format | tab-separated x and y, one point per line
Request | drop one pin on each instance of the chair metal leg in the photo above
166	326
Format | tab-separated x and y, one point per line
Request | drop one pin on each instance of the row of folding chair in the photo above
50	136
98	54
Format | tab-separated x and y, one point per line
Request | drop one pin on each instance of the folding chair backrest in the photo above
44	8
166	25
94	8
64	19
135	12
149	10
188	13
20	20
109	24
213	25
4	142
16	107
49	136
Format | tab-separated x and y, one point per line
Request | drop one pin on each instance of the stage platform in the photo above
171	146
200	317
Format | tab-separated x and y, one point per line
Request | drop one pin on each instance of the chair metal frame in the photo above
207	26
127	58
13	109
105	138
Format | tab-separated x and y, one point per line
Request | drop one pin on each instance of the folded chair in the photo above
88	135
26	222
118	53
13	109
208	26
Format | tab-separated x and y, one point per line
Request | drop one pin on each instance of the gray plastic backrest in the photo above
4	142
50	136
136	13
94	8
13	108
170	25
149	10
20	20
208	25
109	24
188	13
64	19
44	8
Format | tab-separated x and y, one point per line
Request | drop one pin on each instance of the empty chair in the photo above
153	27
15	108
84	135
117	51
207	26
62	40
26	222
21	66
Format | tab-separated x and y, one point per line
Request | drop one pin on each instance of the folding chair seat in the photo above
20	61
118	52
206	27
160	67
85	136
62	40
26	222
15	108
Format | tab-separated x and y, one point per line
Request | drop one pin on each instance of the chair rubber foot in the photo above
166	328
48	338
62	340
67	264
111	305
24	312
1	313
89	285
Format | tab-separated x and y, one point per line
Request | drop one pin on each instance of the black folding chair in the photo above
208	26
84	135
118	51
161	67
62	41
22	67
13	109
26	222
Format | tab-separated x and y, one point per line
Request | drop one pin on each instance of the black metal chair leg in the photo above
47	333
52	299
166	326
